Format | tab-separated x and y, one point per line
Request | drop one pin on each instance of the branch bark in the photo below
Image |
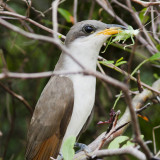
138	102
146	4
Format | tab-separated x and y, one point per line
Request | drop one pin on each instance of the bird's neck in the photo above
86	55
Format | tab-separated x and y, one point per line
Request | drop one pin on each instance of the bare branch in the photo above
31	21
34	75
54	18
105	6
121	151
122	5
12	10
139	23
127	75
153	26
40	37
19	97
138	101
75	10
146	4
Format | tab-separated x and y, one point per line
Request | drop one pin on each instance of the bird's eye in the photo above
89	29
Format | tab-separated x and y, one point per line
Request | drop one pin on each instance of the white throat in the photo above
86	52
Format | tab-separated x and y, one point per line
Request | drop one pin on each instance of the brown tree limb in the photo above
121	151
138	102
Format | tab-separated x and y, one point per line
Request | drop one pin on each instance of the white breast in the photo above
84	96
86	52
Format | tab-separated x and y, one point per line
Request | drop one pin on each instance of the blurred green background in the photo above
25	55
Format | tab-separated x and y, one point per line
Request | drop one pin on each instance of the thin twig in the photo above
22	22
153	26
146	4
19	97
31	21
124	88
91	10
40	37
121	151
139	23
34	75
75	10
138	101
54	18
154	139
122	5
127	75
103	4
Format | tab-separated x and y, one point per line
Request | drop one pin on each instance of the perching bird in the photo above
66	103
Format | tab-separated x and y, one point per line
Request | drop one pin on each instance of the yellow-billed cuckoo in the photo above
66	102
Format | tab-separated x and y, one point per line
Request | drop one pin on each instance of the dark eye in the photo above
89	29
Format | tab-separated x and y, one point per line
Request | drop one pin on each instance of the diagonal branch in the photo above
138	102
31	21
19	97
146	4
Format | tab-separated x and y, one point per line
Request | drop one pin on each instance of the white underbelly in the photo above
84	97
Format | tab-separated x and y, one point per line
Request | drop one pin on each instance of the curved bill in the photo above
112	29
109	31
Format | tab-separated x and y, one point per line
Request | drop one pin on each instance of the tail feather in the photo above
47	149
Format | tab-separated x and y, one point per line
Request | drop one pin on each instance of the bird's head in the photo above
91	33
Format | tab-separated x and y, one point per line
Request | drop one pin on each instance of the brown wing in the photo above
50	119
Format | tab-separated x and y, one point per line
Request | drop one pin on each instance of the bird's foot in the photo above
82	147
60	157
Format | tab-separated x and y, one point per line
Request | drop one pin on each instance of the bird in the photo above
66	103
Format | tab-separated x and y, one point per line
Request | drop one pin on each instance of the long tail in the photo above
47	149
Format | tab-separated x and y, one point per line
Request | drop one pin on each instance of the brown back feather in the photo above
50	119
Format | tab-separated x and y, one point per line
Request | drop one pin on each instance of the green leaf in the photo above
144	18
115	144
65	14
156	76
158	47
155	57
120	63
120	59
67	148
106	62
129	143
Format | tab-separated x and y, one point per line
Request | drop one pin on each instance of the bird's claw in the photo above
82	147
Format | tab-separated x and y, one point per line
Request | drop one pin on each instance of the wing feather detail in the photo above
50	119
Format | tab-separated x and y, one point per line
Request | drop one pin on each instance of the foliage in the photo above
67	148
